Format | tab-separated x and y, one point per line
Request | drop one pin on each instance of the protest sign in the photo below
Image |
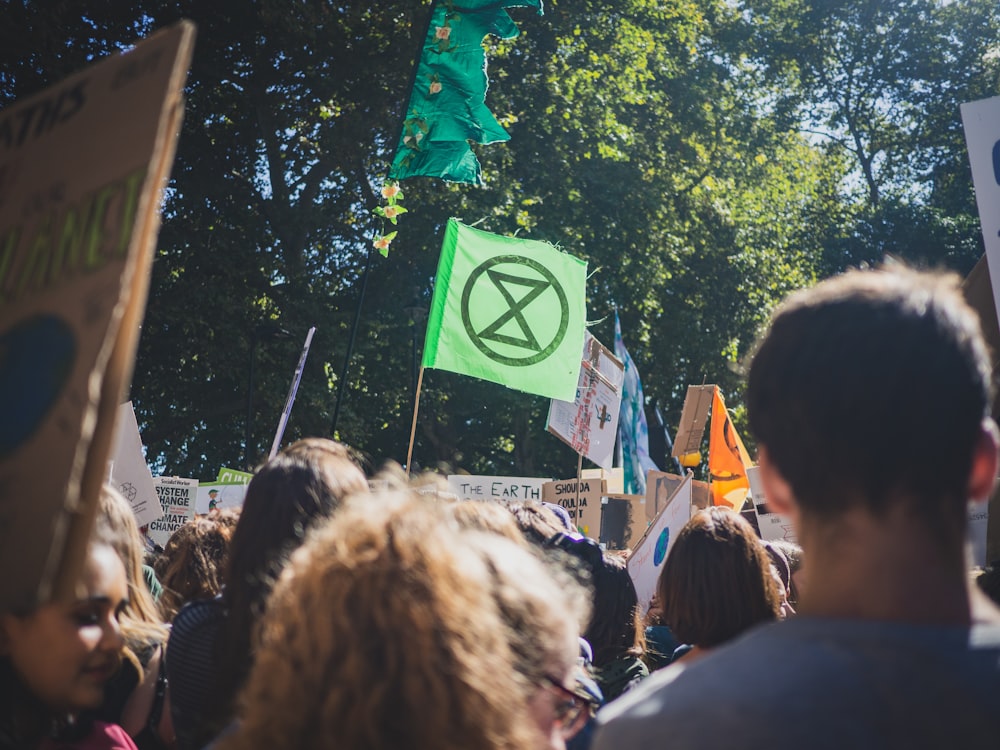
978	517
508	489
233	476
774	527
212	495
589	424
648	554
623	520
130	473
584	509
82	168
694	416
660	485
981	120
177	497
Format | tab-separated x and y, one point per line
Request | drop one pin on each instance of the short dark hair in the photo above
716	581
870	386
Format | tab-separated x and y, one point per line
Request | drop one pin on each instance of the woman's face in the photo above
65	652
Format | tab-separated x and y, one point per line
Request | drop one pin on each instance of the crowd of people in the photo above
337	610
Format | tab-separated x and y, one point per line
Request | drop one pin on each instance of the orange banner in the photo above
727	458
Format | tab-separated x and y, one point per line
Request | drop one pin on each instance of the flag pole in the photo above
413	425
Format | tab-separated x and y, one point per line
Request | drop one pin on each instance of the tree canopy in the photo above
704	156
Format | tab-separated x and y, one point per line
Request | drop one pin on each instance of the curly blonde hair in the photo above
394	627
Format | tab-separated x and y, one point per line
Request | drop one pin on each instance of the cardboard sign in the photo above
589	424
130	473
508	489
83	165
774	527
661	485
623	520
177	497
585	509
212	495
694	416
981	120
648	554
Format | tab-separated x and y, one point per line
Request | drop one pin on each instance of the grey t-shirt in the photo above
821	683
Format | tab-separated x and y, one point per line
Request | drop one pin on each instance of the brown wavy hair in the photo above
716	581
409	640
193	561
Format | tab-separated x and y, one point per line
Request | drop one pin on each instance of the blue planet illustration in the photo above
36	359
660	550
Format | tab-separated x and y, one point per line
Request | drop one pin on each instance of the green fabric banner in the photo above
507	310
447	106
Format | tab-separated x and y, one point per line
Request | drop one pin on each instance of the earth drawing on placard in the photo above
36	359
660	550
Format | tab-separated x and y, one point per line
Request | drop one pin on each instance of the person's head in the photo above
615	629
716	581
486	515
56	657
420	633
288	495
141	621
871	388
537	522
792	553
192	562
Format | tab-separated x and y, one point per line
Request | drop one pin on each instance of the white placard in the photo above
589	424
648	554
981	120
774	527
177	497
130	474
509	489
978	515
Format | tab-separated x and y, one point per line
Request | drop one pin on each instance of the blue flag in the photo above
633	435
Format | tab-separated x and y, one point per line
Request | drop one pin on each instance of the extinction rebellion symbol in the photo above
519	281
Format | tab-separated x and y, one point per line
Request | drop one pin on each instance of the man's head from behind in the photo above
870	387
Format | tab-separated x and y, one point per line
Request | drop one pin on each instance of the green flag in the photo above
507	310
447	107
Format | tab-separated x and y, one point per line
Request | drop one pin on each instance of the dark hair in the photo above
871	386
287	496
716	581
192	563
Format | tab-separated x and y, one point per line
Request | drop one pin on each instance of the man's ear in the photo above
983	473
777	492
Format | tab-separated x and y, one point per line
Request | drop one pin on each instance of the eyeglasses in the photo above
572	711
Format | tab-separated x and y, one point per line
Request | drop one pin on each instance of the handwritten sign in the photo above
83	165
177	498
508	489
585	510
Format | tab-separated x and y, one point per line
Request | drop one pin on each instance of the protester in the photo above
210	646
56	658
421	634
716	582
486	515
192	563
869	398
136	697
792	553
